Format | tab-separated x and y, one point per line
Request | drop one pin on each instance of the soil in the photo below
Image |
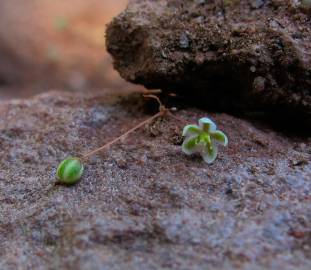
241	55
143	203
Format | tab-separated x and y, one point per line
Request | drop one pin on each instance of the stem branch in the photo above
162	111
107	145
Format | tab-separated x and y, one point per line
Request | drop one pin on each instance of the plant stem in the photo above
162	111
107	145
178	118
148	92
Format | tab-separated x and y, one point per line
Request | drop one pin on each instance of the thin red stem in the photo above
107	145
162	111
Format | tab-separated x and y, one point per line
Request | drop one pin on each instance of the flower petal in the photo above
207	124
209	155
189	145
220	137
191	130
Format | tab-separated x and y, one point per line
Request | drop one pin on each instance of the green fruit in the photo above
69	171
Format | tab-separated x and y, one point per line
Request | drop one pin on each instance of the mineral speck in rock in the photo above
258	3
259	84
184	41
306	3
201	2
253	69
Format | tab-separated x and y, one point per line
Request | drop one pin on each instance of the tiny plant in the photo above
203	138
70	170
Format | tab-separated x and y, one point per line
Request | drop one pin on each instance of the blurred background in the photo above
56	45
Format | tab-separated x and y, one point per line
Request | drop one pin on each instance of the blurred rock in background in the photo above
55	44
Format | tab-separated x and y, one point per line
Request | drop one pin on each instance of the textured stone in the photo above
143	204
213	52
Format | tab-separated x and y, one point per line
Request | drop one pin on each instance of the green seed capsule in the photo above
69	171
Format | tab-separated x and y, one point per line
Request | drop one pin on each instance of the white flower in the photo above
203	139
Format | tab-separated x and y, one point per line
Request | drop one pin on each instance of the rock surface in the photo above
143	204
229	54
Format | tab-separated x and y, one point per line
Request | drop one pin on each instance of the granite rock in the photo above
143	204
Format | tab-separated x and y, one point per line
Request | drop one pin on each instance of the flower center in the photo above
206	140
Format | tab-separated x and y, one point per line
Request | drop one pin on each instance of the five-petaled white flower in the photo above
203	139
